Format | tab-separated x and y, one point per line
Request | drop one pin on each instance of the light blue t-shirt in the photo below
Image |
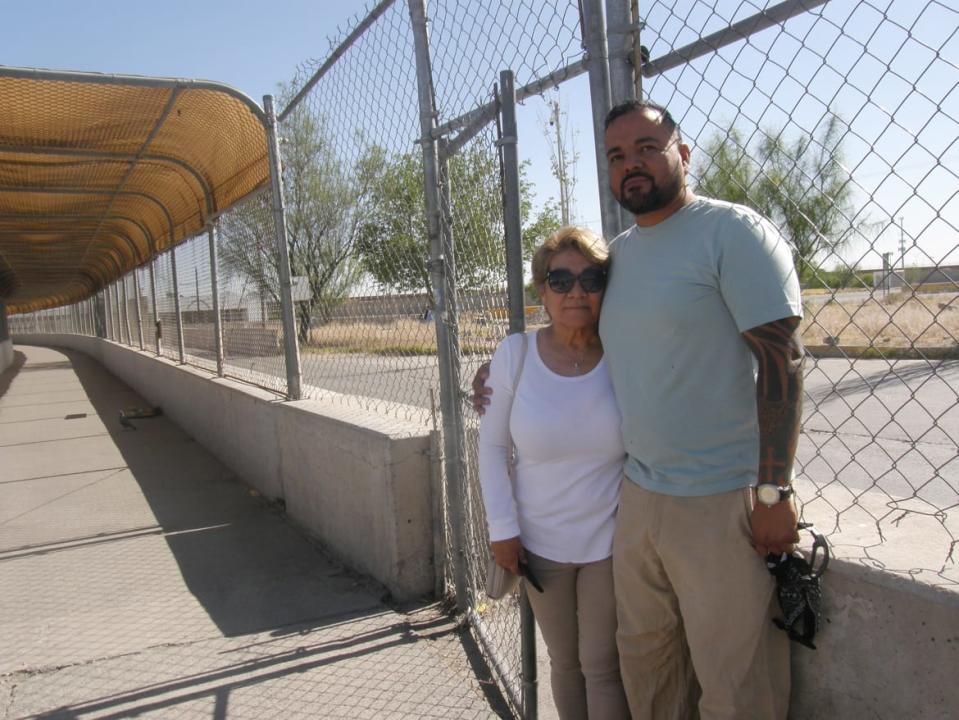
679	296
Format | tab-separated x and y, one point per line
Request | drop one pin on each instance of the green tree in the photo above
394	240
802	186
325	199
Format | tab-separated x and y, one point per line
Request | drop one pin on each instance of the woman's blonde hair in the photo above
585	241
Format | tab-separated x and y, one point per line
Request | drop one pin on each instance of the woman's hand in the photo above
508	554
481	393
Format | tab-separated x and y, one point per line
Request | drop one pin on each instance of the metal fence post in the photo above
291	345
461	512
638	61
450	289
516	292
136	291
157	325
99	316
622	71
511	211
594	38
126	312
215	291
117	313
181	345
444	312
109	312
619	30
116	334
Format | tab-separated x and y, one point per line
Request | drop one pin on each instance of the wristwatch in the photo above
770	494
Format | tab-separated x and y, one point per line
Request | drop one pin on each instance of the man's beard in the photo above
656	198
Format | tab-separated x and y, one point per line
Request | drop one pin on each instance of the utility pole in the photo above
902	244
560	165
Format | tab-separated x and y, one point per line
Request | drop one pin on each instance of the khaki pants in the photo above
576	612
695	603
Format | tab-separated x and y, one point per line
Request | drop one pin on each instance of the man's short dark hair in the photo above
631	106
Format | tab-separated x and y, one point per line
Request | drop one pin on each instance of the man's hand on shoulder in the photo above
481	393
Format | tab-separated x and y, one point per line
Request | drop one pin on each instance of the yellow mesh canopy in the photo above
98	173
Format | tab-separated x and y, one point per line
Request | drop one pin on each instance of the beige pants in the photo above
695	603
576	612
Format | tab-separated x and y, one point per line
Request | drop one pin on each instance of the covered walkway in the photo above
139	578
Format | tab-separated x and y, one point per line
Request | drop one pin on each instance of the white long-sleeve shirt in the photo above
569	457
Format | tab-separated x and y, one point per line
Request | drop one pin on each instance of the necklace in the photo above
565	356
577	361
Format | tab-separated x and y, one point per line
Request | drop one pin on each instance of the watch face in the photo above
767	494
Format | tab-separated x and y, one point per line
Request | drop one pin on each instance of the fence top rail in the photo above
371	18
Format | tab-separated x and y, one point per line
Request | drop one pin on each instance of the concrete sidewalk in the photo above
138	578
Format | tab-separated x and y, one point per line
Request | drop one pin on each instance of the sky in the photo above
889	68
251	46
248	45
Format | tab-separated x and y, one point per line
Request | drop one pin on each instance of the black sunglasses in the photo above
561	281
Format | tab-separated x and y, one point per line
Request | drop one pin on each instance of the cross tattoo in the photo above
768	466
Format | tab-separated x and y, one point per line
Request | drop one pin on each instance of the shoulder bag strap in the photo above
517	374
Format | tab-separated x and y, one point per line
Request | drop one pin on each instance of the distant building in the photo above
897	277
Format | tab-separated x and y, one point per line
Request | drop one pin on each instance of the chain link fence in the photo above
840	124
357	231
836	120
248	295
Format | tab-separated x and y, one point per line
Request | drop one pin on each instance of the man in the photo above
698	290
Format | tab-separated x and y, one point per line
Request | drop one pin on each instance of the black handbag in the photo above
799	589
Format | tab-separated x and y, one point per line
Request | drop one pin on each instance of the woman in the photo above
557	514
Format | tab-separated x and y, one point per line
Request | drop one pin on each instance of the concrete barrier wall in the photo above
359	483
355	481
889	650
6	344
6	354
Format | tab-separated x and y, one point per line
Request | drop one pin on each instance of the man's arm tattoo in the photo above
779	352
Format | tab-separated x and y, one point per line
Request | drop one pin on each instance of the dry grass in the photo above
403	336
896	321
